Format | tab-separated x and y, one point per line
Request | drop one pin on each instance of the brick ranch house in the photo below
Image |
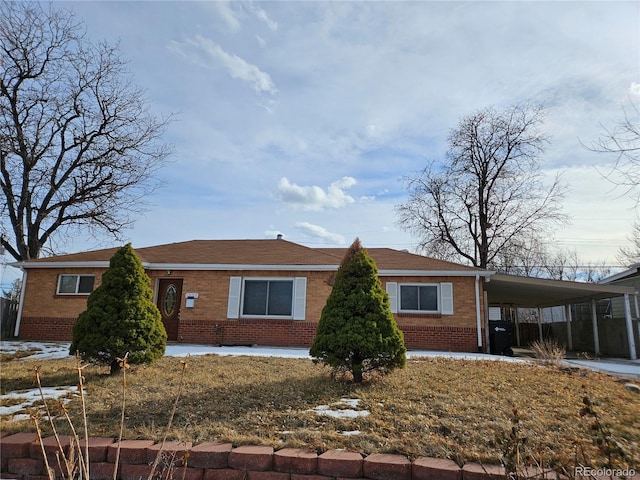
266	292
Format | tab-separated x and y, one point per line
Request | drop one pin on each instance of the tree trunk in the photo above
115	367
357	373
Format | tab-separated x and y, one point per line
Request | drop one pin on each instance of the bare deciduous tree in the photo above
623	141
630	254
490	194
78	145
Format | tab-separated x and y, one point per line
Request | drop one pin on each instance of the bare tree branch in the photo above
630	254
623	143
79	147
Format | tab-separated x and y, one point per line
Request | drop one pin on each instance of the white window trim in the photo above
78	276
445	298
235	304
392	291
299	298
439	300
235	289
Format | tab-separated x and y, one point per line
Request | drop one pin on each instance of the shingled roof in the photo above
390	259
252	252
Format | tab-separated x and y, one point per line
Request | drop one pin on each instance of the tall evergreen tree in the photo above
121	317
357	331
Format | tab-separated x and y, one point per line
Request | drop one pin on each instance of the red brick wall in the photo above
212	288
280	333
464	303
47	316
289	333
46	328
40	293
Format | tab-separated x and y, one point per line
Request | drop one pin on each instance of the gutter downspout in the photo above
478	314
23	290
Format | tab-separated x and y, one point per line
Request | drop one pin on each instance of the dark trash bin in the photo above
500	333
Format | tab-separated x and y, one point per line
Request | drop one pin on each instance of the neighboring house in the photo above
267	292
617	311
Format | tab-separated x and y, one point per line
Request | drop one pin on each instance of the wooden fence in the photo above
8	317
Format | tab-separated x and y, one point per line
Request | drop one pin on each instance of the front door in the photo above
169	297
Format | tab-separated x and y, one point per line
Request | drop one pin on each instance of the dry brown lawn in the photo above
443	408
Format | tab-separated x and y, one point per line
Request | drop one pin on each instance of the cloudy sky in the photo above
303	117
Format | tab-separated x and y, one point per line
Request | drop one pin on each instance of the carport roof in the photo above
540	292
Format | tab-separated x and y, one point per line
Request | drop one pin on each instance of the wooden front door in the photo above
169	303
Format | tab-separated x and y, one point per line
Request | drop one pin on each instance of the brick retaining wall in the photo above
21	459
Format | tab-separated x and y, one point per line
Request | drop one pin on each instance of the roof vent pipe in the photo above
279	236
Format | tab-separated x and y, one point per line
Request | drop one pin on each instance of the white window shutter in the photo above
446	298
233	307
392	291
299	298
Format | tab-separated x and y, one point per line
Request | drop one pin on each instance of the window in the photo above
419	298
75	284
273	297
268	297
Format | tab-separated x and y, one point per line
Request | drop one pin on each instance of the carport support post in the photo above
627	314
635	300
594	321
540	324
568	319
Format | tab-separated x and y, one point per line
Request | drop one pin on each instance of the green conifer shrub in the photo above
357	332
120	316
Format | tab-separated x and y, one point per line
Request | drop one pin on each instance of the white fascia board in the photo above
435	273
26	265
634	269
267	268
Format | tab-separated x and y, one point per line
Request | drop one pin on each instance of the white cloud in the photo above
227	14
262	15
314	197
321	233
367	90
205	53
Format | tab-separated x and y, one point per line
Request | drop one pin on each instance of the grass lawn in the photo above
443	408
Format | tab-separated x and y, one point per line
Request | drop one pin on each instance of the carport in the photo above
537	293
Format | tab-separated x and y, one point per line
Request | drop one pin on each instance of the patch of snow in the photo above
352	432
31	396
61	350
335	410
346	413
42	350
20	417
351	402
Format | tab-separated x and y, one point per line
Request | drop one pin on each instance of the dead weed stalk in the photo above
520	460
610	449
169	423
74	465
